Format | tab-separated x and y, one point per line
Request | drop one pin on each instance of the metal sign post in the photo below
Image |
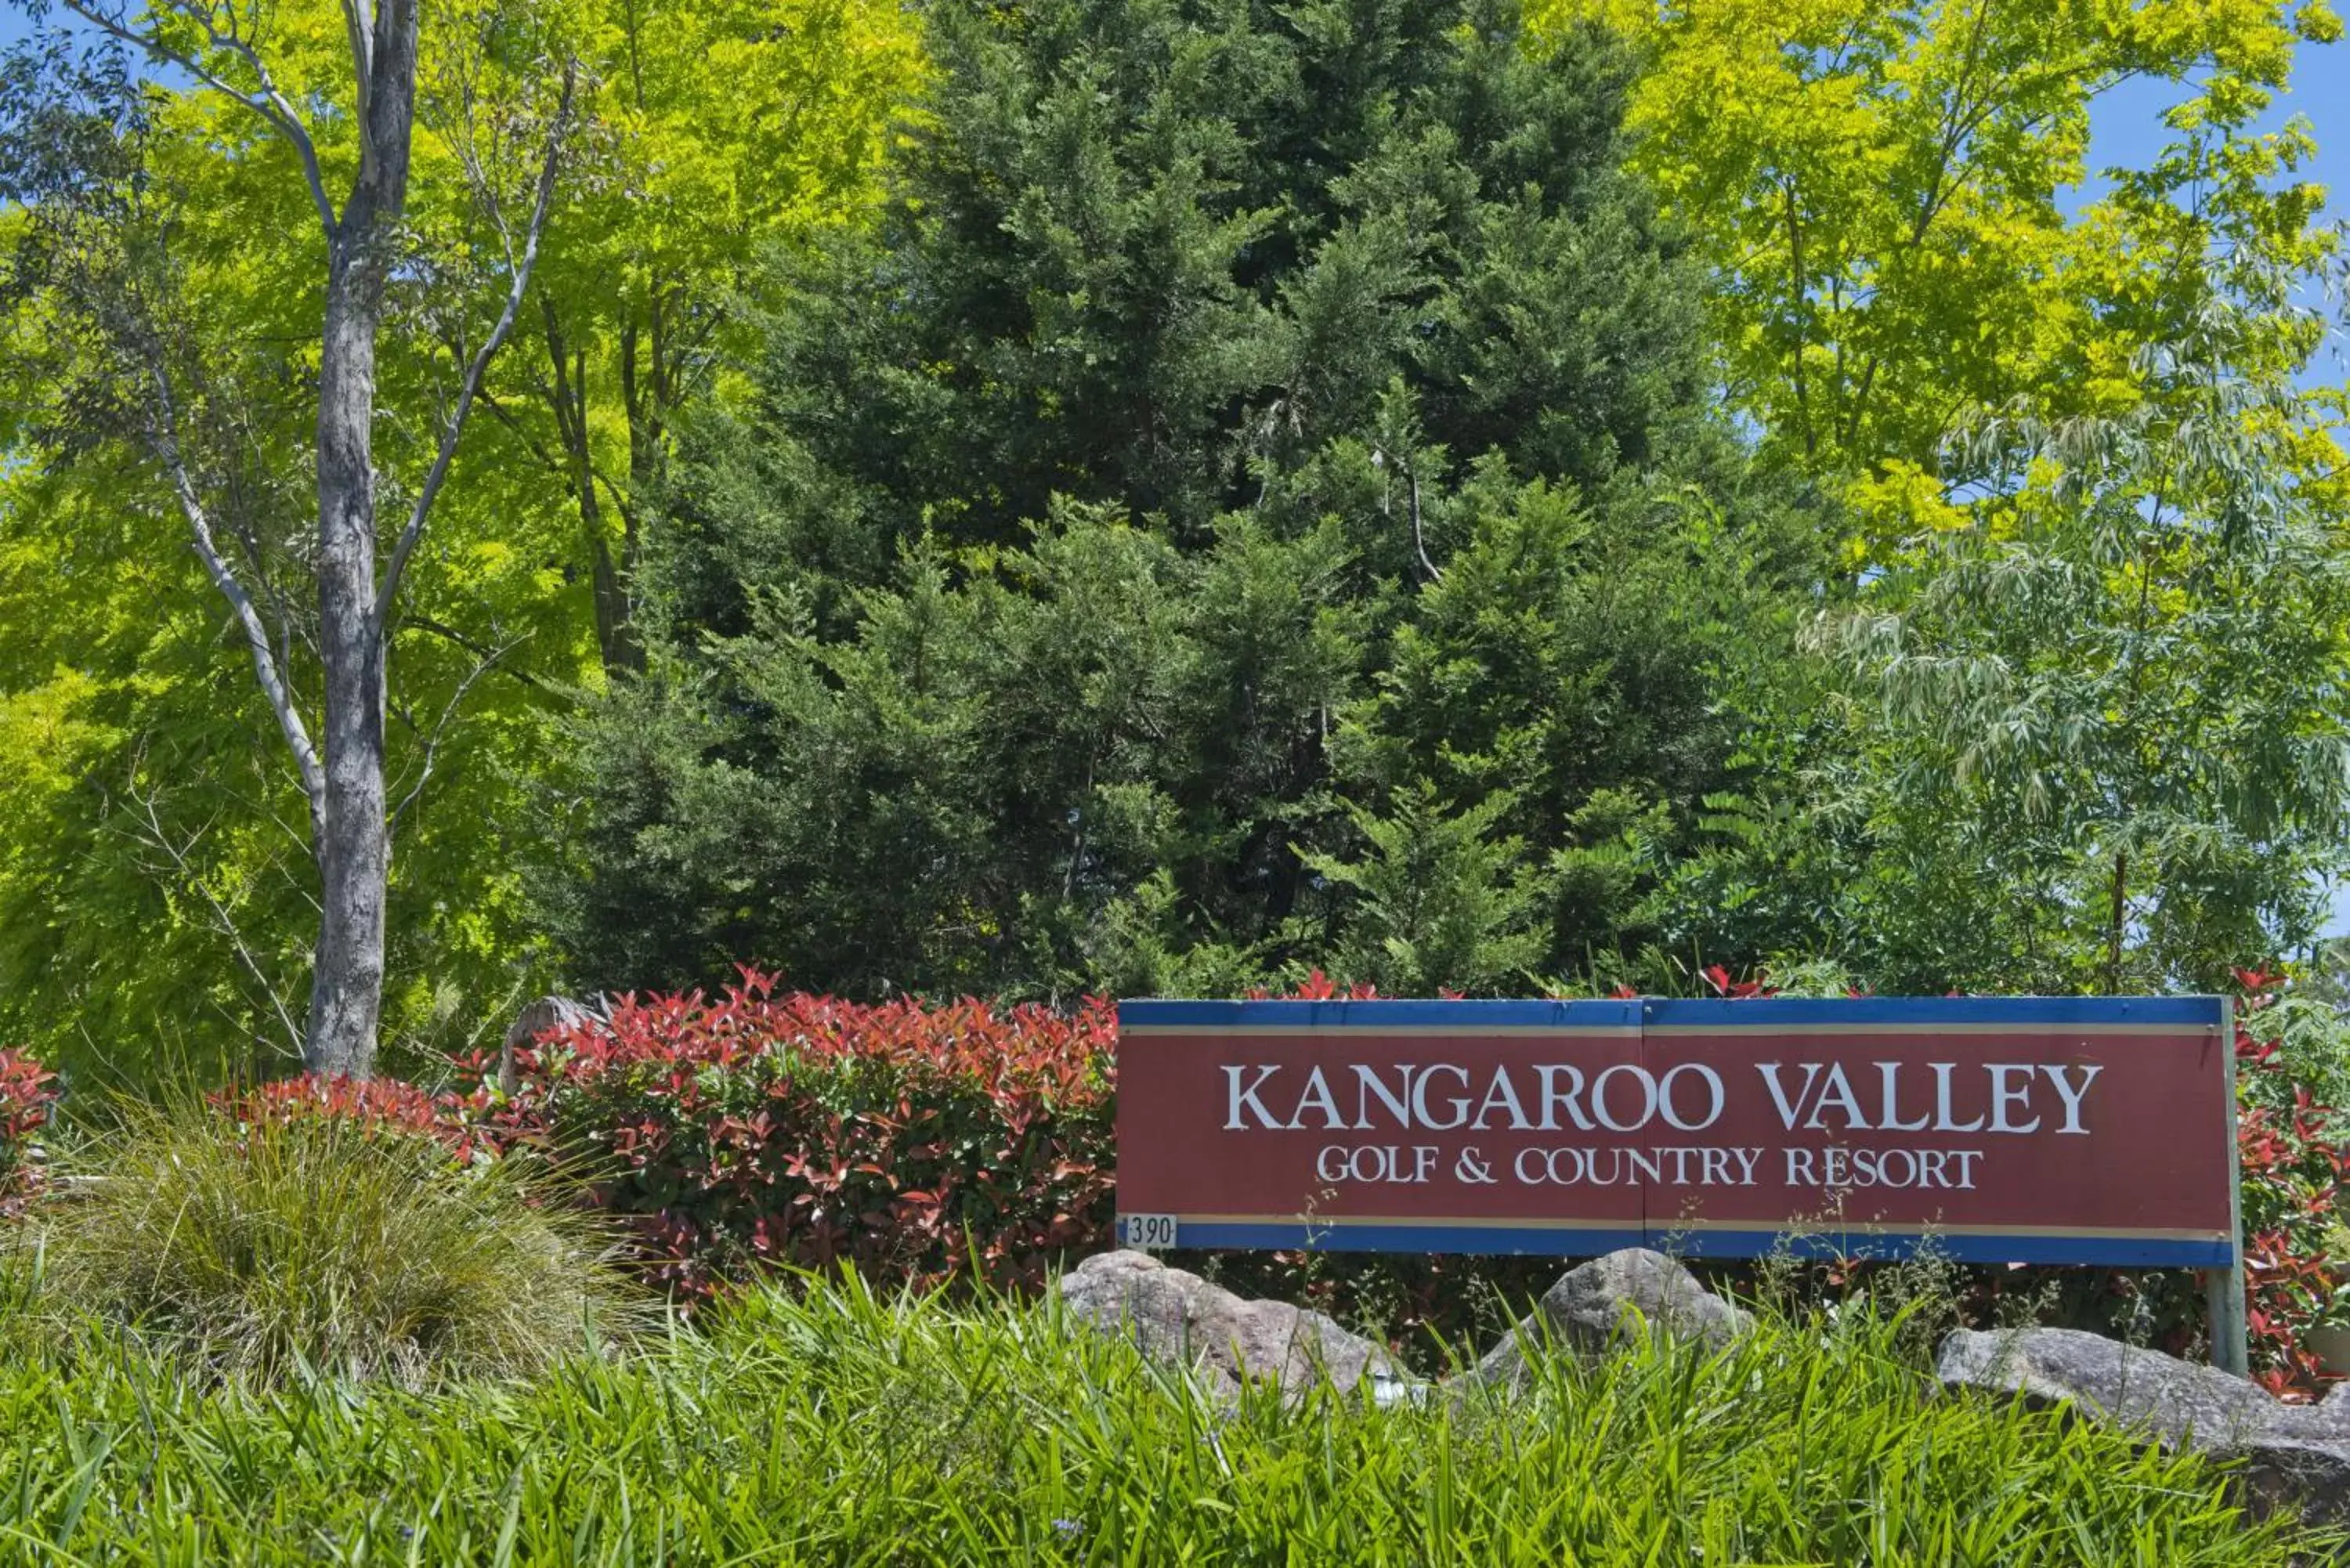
2223	1288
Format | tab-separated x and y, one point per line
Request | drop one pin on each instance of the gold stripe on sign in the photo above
2013	1031
1930	1230
1344	1221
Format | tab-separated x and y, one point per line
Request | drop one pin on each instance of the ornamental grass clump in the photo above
254	1241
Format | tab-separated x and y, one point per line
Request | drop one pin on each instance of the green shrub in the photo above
829	1426
266	1245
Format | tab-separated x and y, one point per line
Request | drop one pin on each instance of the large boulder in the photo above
1594	1307
2295	1455
1180	1319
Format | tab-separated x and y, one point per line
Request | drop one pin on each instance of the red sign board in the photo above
2009	1130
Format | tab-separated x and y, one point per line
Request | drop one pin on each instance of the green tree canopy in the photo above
2094	736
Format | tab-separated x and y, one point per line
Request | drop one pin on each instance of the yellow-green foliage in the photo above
1881	188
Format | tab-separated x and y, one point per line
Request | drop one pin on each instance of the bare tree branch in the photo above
154	834
266	668
267	102
358	22
476	647
479	367
439	727
259	803
1419	536
508	417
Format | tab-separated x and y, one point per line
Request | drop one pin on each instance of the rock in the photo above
2313	1478
548	1012
1180	1319
1594	1307
2173	1400
2295	1455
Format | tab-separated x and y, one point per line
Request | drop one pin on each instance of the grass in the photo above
826	1426
281	1247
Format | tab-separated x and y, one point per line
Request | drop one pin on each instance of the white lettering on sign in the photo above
1238	1096
1376	1162
2070	1096
1825	1099
1504	1095
1674	1167
1553	1097
2008	1098
1837	1168
1713	1089
1460	1104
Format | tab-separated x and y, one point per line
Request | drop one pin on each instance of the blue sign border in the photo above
1669	1013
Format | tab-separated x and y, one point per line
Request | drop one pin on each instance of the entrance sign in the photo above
2019	1130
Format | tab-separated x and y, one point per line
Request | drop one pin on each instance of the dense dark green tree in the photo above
1252	499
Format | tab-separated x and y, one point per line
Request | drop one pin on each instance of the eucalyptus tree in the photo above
148	799
127	356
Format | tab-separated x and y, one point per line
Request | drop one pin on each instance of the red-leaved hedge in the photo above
26	1094
385	1104
2294	1169
920	1143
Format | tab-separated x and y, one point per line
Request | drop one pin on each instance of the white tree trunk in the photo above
353	848
354	835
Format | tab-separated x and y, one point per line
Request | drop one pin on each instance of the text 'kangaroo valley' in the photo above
2014	1098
